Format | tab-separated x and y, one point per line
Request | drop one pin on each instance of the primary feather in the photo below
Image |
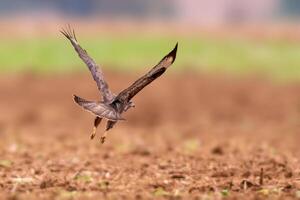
95	70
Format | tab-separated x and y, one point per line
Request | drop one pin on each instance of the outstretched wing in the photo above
99	109
154	73
96	72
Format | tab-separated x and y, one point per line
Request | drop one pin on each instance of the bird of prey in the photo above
112	106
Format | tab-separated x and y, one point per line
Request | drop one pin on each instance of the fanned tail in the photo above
99	109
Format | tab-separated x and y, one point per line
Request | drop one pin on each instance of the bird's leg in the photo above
96	124
109	125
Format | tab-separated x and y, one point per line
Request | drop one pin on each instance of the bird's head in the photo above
129	105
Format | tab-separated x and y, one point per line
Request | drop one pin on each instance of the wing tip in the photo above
173	53
68	32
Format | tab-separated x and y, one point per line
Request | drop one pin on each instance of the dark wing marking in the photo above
154	73
96	72
99	109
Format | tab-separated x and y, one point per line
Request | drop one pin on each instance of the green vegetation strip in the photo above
278	59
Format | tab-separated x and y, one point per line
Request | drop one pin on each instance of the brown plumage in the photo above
112	106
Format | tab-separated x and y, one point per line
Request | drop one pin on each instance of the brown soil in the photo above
189	137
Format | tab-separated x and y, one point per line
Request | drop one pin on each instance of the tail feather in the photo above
99	109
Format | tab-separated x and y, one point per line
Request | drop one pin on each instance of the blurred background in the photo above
228	107
232	36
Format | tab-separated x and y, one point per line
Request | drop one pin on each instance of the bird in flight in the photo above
112	106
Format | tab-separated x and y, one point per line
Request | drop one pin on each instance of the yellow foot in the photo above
103	137
93	133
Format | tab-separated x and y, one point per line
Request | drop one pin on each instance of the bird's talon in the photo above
92	136
93	133
103	139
